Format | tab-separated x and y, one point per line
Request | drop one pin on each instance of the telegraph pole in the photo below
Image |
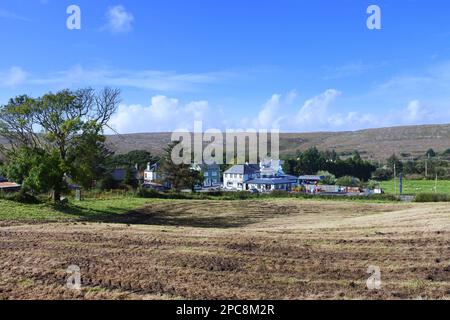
395	181
435	184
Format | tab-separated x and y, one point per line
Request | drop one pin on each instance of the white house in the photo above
236	177
268	176
152	173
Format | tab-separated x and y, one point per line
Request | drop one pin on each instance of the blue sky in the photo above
296	65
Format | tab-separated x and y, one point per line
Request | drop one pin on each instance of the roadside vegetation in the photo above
13	207
414	187
432	197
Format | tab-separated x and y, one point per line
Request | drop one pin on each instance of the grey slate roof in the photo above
311	178
243	169
210	167
3	179
272	181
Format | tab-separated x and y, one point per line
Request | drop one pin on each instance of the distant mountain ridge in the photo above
374	144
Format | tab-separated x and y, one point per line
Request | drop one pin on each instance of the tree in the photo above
139	157
348	181
180	176
89	158
394	161
311	161
430	153
130	177
354	166
53	136
289	167
107	182
329	179
383	174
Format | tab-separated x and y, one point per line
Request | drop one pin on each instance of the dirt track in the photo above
223	250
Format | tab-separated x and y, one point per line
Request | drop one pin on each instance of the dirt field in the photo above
280	249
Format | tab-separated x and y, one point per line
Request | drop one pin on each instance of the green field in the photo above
417	186
75	211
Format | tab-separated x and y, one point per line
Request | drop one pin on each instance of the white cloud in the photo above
164	81
318	114
352	69
14	77
163	115
5	14
291	96
315	111
119	20
269	117
415	111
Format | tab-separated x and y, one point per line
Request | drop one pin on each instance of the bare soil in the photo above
278	249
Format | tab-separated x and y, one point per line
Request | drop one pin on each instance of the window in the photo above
206	174
214	174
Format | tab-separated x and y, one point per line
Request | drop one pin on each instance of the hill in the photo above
374	144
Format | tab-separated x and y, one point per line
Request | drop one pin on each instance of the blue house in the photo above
211	174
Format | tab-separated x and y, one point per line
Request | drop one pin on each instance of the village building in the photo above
237	176
120	174
154	179
210	173
6	186
310	184
310	180
268	176
9	187
152	173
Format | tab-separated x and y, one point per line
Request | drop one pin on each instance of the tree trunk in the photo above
56	196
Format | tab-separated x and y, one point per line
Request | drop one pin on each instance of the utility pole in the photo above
395	181
426	169
435	184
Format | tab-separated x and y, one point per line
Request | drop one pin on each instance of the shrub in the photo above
348	181
21	197
149	193
329	179
107	183
279	194
383	174
432	197
372	184
241	195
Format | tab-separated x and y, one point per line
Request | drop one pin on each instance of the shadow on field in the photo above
181	215
160	218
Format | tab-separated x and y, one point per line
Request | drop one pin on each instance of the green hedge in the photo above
144	193
433	197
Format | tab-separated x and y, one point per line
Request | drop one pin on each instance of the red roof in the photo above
9	185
